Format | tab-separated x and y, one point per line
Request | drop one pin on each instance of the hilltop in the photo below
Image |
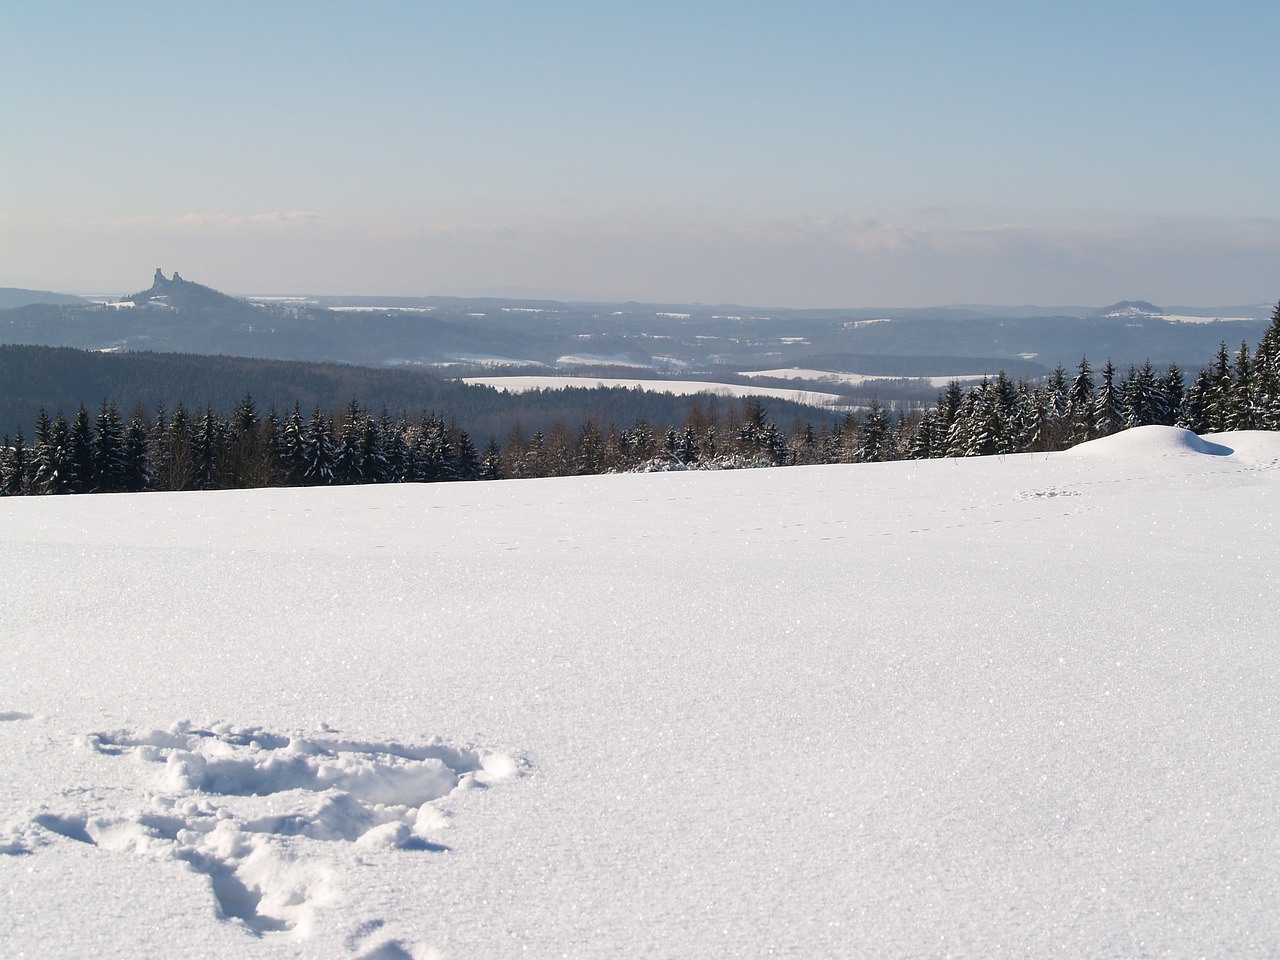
180	294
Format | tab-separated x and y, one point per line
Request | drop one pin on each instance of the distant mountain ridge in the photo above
469	337
13	297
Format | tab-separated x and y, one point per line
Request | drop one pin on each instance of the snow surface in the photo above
680	388
856	379
1019	706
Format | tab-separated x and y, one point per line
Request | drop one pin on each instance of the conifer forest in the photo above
106	450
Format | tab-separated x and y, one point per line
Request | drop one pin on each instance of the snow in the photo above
588	359
856	379
1183	318
1018	706
680	388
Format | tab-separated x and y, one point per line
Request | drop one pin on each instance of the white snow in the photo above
1183	318
1021	706
680	388
587	359
856	379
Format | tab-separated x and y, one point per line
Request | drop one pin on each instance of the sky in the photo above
805	155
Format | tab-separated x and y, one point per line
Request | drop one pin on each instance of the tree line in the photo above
181	450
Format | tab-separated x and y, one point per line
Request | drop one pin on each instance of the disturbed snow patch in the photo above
241	806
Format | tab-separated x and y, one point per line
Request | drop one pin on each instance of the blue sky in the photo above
806	154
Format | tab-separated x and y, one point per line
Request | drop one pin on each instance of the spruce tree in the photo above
317	451
1080	404
348	466
109	467
1220	396
1195	408
491	461
1266	365
81	466
1107	409
207	450
136	469
1174	389
875	445
49	462
1243	399
16	466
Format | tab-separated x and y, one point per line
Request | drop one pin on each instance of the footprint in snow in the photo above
240	805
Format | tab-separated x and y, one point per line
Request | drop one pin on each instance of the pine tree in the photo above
207	450
15	469
49	466
81	468
1266	365
136	474
1107	410
393	451
373	454
1057	394
109	466
1174	389
1220	396
317	452
349	455
1243	398
491	461
1080	404
875	445
179	456
590	449
291	452
949	403
1195	409
248	459
926	441
1143	397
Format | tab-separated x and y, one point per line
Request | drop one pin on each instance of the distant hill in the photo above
12	297
1130	308
179	294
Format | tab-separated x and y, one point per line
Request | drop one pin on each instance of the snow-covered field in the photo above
1020	706
856	379
680	388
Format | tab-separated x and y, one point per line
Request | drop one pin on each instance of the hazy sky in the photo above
799	154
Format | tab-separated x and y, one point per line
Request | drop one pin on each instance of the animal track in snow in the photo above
243	805
1048	494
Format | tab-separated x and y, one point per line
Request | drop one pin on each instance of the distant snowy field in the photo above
856	379
679	388
1020	706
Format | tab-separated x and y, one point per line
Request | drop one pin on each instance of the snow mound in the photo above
1256	446
235	803
1150	441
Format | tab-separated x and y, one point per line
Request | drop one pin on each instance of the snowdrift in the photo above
1150	441
1018	706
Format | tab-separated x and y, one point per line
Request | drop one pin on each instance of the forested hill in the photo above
13	297
62	378
180	316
